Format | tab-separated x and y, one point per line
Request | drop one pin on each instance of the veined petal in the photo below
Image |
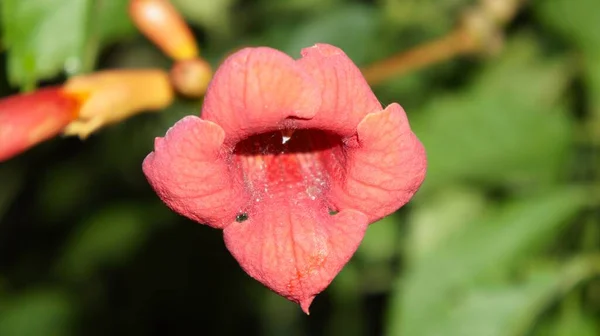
295	250
255	90
192	176
386	167
345	95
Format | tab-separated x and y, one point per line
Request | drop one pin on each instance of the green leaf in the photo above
351	27
441	215
39	312
506	127
433	16
575	19
571	325
490	244
577	22
112	20
380	241
44	37
108	238
215	16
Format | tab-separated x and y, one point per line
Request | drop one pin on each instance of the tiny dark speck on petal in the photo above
241	217
333	212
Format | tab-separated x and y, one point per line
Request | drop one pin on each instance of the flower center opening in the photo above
292	165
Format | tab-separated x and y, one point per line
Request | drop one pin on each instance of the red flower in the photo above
293	209
28	119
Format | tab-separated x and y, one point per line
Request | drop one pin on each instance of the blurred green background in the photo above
503	238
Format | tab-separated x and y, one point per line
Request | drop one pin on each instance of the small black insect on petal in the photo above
241	217
333	212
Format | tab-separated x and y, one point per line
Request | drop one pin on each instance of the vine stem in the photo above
456	43
480	30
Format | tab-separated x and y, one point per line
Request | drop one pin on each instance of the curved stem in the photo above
456	43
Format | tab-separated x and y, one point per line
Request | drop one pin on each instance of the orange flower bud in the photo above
191	77
162	24
30	118
115	95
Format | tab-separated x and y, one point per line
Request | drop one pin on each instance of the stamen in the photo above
286	135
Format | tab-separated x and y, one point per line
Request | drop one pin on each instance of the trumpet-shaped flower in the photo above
293	159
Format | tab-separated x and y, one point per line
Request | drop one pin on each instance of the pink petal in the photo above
296	249
345	95
190	174
255	90
385	169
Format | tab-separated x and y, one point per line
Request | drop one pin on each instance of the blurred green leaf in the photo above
298	6
506	127
572	321
35	313
109	237
44	37
112	20
431	288
496	311
350	27
381	240
212	15
440	216
433	16
575	19
47	37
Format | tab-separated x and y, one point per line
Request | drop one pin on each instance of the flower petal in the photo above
295	250
345	95
385	169
190	174
255	90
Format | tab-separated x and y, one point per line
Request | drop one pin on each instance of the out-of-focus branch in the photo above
480	30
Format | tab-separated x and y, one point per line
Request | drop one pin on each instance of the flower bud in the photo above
160	22
30	118
191	77
116	95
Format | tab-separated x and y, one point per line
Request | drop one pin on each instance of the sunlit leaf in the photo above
438	217
492	243
507	127
31	31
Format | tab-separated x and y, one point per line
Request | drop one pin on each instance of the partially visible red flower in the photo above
30	118
293	159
